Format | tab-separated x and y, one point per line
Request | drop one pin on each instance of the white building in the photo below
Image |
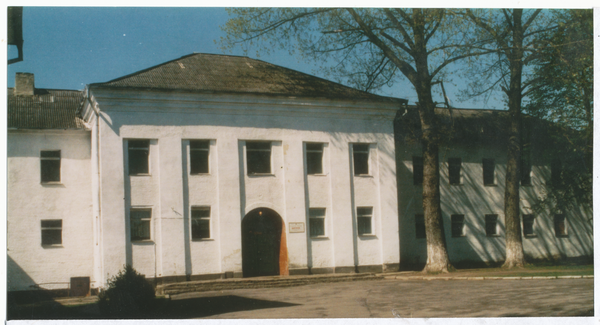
214	166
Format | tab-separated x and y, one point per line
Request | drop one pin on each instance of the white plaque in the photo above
296	227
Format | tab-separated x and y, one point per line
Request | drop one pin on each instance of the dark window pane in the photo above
51	237
314	158
258	156
420	226
314	146
140	224
139	144
200	228
361	159
138	156
50	154
199	144
560	227
528	220
317	227
458	221
203	212
491	222
488	171
454	165
364	225
258	145
364	211
50	166
198	162
525	172
556	170
51	223
418	170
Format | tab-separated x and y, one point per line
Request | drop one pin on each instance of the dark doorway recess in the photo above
264	249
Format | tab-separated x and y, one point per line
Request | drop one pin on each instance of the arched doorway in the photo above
264	249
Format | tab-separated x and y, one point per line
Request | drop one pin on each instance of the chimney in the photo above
24	84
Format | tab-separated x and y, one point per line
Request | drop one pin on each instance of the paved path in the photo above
399	298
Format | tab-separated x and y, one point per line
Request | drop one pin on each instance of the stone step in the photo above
262	282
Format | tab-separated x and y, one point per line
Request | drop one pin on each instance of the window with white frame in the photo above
491	225
560	225
50	166
360	152
140	223
458	225
454	166
528	222
364	220
199	150
138	154
314	158
316	222
200	223
51	232
258	157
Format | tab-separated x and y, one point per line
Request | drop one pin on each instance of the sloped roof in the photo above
46	109
235	74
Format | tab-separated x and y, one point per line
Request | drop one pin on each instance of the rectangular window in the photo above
316	222
140	223
51	232
199	150
489	166
200	223
420	226
458	225
491	225
258	157
364	218
314	158
528	220
454	166
50	162
556	172
139	152
525	172
418	170
560	225
361	159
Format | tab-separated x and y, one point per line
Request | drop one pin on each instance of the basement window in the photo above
360	154
489	166
528	221
50	166
454	166
200	223
420	226
140	223
364	219
417	170
51	232
491	225
199	150
314	158
316	222
458	225
139	152
560	225
258	157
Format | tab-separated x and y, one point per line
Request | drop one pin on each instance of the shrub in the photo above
127	294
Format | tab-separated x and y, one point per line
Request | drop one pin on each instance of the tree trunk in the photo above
514	242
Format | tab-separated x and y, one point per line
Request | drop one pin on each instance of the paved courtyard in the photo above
398	298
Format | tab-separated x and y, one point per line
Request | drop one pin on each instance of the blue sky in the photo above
69	47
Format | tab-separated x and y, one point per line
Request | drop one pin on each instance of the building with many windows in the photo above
213	166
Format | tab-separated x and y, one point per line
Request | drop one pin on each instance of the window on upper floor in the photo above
417	170
51	232
458	225
140	223
489	170
258	157
525	172
420	226
314	158
556	171
316	222
200	223
560	225
139	153
199	150
50	166
491	225
528	222
364	220
360	152
454	166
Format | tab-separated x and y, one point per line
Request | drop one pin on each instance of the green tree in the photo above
516	35
374	47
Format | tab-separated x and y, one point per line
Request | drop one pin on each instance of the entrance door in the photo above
263	244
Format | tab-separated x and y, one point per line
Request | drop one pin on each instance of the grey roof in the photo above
235	74
46	109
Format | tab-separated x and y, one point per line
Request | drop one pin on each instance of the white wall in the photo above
30	201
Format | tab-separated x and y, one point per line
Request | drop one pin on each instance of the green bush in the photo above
126	295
